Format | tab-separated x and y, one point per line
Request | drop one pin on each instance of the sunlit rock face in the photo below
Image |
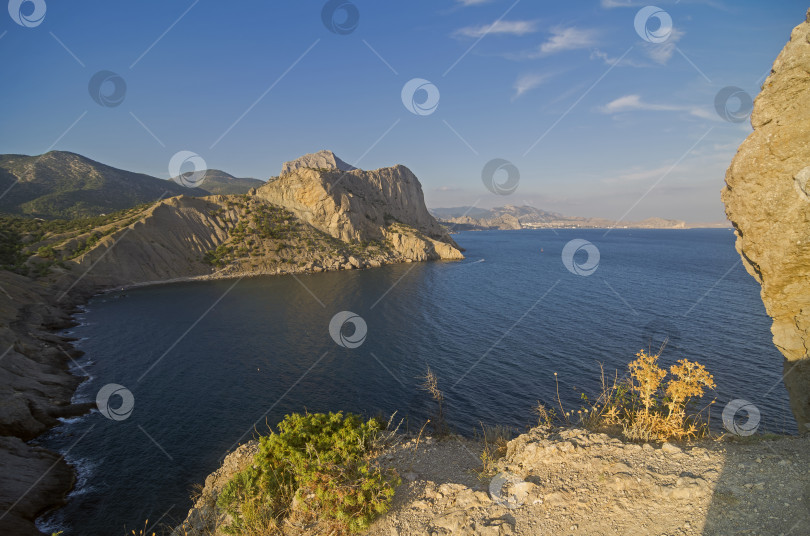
357	205
767	198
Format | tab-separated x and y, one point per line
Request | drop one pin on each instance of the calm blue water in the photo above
494	327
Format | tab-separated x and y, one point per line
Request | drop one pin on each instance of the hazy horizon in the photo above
602	117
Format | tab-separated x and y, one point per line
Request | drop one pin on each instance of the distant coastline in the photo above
512	217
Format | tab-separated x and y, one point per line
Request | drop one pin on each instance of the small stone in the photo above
410	476
669	448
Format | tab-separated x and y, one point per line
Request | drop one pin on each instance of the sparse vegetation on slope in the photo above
55	241
261	235
318	466
65	185
643	407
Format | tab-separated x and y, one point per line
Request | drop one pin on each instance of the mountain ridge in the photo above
218	182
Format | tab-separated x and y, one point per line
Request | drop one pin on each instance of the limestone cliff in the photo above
357	205
319	160
308	220
767	198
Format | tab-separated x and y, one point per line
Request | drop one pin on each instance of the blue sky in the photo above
598	120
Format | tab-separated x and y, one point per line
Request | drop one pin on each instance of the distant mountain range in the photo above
66	185
220	183
527	217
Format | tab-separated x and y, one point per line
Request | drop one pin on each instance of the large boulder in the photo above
767	197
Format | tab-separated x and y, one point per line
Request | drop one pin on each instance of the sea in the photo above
184	372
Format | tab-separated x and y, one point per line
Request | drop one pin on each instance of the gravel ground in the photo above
576	482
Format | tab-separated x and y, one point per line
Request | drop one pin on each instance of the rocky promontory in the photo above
306	220
357	205
372	219
767	197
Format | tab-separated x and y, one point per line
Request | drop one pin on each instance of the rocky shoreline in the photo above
37	388
306	221
39	385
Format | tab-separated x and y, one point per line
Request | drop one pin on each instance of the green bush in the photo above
323	463
46	252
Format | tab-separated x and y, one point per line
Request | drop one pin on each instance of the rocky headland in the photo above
307	220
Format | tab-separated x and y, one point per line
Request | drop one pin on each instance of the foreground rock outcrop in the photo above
572	481
767	197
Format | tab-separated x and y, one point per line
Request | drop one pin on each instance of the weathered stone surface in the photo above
319	160
32	479
35	388
766	197
359	205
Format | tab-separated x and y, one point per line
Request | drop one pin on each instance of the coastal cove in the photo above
263	349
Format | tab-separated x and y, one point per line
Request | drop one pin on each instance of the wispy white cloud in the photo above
561	39
616	60
466	3
514	27
656	53
570	38
634	103
528	82
661	53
